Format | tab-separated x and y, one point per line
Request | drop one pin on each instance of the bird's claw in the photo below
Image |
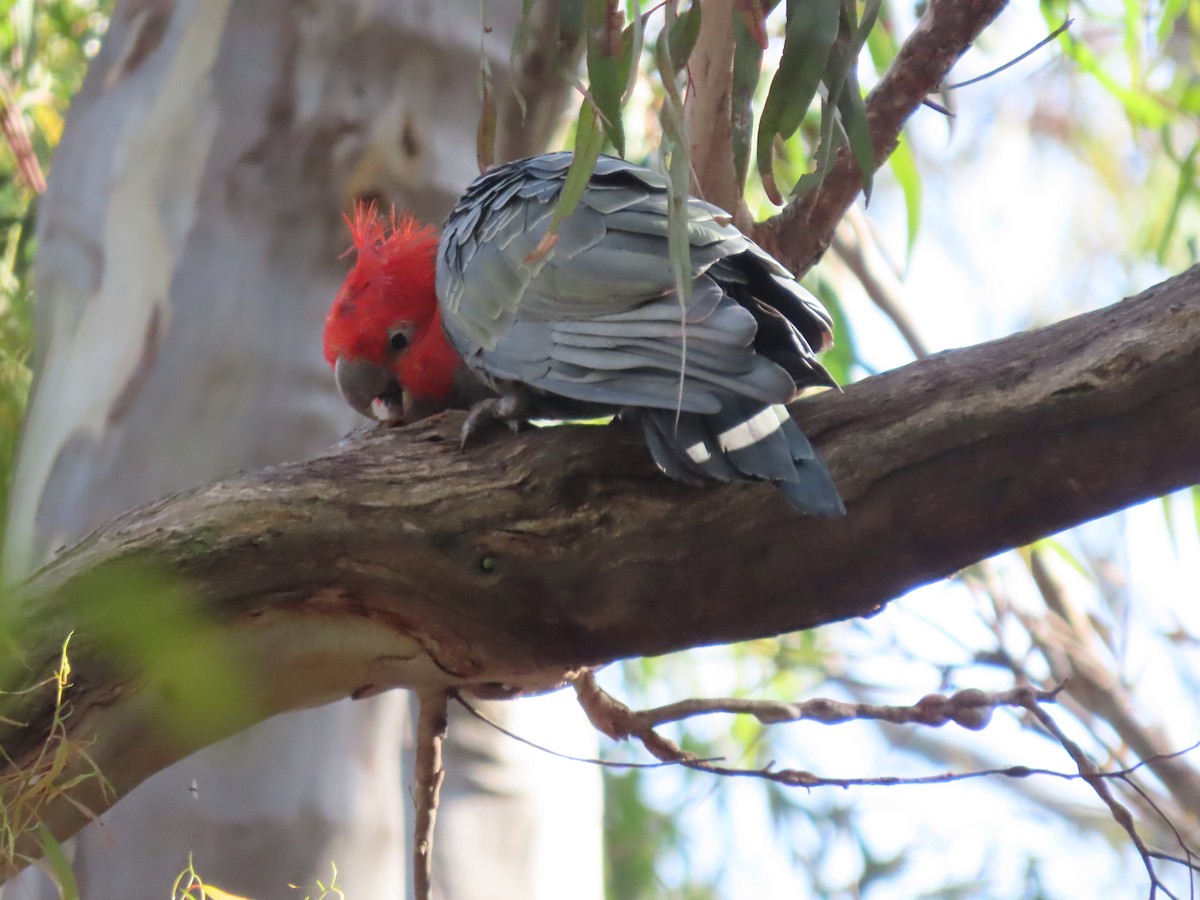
507	409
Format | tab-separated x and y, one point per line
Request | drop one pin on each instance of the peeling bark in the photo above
394	559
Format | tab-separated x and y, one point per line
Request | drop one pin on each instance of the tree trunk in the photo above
188	250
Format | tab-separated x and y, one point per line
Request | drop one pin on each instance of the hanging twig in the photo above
1097	780
427	786
1012	62
856	247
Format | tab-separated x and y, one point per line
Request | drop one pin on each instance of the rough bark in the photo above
395	559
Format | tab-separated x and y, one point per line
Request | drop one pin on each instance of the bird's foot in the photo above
507	409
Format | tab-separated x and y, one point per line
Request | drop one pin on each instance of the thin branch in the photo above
1012	62
970	708
1068	641
588	760
1098	783
855	246
428	777
1189	861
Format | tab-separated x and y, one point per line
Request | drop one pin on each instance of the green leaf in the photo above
853	112
520	42
844	102
908	177
56	861
671	113
826	143
1140	107
631	50
1185	188
882	47
841	358
1063	552
589	138
747	66
684	31
678	246
485	131
812	27
1171	10
852	107
571	16
606	80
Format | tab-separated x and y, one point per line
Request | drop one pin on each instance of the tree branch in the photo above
394	559
801	233
431	733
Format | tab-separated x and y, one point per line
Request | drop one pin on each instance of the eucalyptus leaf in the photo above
812	28
606	80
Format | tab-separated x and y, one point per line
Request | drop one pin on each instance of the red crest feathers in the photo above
402	233
391	281
365	228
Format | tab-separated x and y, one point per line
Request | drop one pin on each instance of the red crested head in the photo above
383	334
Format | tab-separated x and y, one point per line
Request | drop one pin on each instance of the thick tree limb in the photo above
801	233
395	559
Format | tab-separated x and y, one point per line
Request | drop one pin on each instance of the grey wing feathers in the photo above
597	319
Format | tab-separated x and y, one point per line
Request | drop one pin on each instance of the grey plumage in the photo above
595	326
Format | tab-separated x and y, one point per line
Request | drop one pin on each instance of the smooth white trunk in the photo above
188	250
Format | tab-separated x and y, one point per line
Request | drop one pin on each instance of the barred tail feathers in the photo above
745	441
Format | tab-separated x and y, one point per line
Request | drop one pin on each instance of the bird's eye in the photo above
398	340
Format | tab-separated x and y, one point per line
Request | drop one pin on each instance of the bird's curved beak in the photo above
370	389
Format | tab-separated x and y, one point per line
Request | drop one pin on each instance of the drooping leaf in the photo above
851	106
485	131
853	113
843	101
672	108
56	861
589	139
684	32
747	66
881	44
812	27
908	177
606	80
678	245
520	41
826	144
1186	187
631	49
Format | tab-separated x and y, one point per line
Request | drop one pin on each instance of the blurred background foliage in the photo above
1109	114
